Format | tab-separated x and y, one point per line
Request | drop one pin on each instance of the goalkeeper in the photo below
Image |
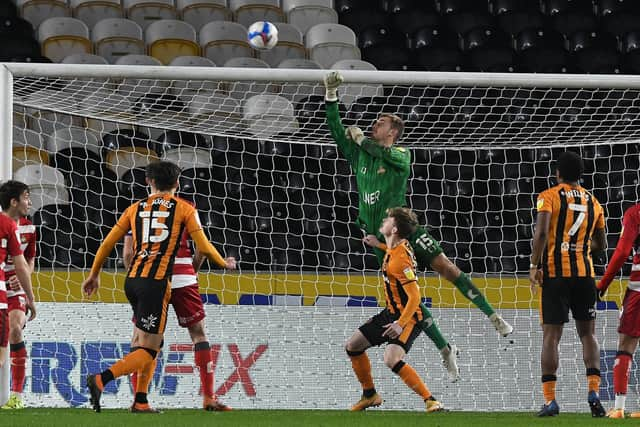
382	172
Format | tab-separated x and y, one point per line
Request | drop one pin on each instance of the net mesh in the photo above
273	190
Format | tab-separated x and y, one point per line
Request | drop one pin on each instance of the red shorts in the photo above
4	327
630	314
17	302
188	305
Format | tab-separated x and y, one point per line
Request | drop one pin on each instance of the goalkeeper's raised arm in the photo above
382	169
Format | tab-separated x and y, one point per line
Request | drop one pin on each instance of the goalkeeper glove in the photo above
331	83
355	134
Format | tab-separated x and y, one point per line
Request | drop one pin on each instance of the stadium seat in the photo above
594	53
350	92
385	49
62	36
408	16
71	137
15	27
124	159
23	155
213	110
84	58
92	11
37	11
188	157
289	46
116	37
619	17
299	63
630	49
132	184
167	39
541	51
568	17
436	50
246	12
222	40
191	61
329	43
463	16
246	62
515	16
200	12
17	48
304	14
46	185
360	20
489	50
8	9
145	12
267	115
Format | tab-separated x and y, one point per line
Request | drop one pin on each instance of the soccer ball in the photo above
263	35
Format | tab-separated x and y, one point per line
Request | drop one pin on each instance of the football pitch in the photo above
280	418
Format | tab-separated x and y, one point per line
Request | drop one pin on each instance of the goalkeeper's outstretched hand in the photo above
355	134
332	81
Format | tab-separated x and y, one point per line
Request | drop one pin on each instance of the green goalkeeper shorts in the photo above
425	247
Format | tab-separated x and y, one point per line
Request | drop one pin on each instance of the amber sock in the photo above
412	379
362	367
549	387
133	361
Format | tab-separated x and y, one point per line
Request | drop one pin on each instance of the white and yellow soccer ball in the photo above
263	35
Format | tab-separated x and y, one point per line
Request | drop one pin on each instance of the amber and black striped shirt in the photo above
156	225
575	215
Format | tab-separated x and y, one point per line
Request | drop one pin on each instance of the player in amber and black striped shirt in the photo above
398	323
569	227
157	223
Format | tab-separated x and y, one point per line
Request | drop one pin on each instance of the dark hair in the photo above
406	221
164	174
396	123
570	166
11	190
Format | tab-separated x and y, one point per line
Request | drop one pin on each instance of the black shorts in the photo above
149	299
374	327
559	295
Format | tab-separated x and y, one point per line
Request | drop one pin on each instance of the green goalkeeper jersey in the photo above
382	173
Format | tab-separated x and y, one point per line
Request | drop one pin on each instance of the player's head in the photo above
163	175
14	198
387	129
569	167
399	221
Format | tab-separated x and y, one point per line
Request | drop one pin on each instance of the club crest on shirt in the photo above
381	170
409	274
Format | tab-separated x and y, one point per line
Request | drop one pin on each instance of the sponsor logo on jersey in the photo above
540	204
409	273
381	170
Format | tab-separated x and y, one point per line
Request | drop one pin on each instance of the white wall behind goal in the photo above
293	358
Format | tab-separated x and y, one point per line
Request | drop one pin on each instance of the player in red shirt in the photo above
629	327
187	304
17	209
10	193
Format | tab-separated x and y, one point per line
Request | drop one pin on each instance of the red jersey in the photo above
183	272
28	245
9	245
629	240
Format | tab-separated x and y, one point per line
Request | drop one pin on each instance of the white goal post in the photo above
272	189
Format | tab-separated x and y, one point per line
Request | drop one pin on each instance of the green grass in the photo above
259	418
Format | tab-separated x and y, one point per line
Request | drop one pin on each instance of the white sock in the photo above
620	401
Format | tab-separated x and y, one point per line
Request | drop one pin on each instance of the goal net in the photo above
272	190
